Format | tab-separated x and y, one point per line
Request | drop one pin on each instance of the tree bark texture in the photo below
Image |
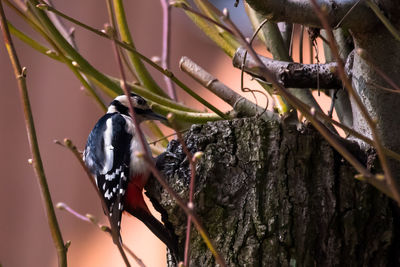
376	51
270	195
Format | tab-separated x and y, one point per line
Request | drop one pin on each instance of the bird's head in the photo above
143	112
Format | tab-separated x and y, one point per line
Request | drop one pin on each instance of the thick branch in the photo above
240	104
292	74
302	12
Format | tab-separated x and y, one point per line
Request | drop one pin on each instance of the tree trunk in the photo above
377	51
270	195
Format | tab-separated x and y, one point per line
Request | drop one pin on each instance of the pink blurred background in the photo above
61	109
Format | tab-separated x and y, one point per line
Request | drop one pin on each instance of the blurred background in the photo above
62	109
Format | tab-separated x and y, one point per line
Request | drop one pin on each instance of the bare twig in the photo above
395	33
190	204
391	182
185	7
333	100
395	91
309	113
235	100
20	74
91	219
165	137
301	39
310	47
114	230
188	210
363	54
107	82
69	35
290	46
149	159
166	40
112	34
347	13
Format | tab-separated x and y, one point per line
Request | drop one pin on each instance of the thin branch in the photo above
385	21
342	103
132	49
290	45
310	47
280	51
188	8
301	40
190	204
309	113
213	12
20	75
167	136
163	105
235	100
57	54
333	96
395	91
347	13
273	40
181	203
91	219
287	32
111	32
122	25
347	129
142	91
148	158
108	86
68	34
166	41
59	24
184	116
363	54
211	31
125	88
115	235
391	182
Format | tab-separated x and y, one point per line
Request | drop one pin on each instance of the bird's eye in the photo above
140	101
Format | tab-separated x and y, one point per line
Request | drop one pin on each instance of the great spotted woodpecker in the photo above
120	175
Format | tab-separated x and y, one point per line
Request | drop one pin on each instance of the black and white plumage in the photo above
110	152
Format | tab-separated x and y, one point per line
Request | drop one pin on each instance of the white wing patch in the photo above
110	177
108	148
108	195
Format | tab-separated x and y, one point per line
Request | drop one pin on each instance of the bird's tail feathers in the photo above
157	228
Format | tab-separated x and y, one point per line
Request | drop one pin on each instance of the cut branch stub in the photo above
290	74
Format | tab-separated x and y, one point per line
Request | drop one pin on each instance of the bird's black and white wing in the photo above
107	155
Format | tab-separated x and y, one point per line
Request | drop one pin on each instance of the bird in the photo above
121	175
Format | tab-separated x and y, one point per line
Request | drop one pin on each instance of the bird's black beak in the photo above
150	115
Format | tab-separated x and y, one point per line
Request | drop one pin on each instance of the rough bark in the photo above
383	53
302	12
292	74
270	195
380	51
